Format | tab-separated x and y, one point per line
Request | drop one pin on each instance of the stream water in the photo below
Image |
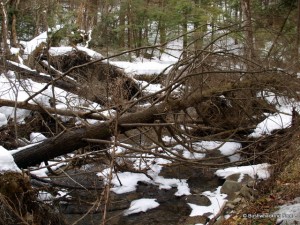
172	209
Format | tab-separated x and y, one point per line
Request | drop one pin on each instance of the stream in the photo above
172	209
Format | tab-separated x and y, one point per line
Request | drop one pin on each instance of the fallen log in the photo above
72	139
60	82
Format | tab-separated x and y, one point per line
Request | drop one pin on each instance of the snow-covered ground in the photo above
154	65
280	120
259	171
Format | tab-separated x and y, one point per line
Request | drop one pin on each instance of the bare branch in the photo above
62	112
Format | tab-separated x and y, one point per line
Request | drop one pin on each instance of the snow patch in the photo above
152	67
141	205
271	123
124	182
128	181
217	201
36	137
56	51
3	120
259	171
7	163
30	46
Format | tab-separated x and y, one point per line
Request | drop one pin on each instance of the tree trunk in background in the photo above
162	35
5	36
247	17
92	14
122	29
298	35
14	39
80	15
129	29
38	19
14	7
89	9
42	10
236	19
185	37
162	27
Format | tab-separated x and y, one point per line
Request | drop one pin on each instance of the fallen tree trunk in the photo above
26	73
72	139
63	83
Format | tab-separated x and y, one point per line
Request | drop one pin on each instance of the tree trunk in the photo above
249	48
72	140
50	110
68	85
5	36
14	37
298	34
162	31
122	25
236	20
129	29
185	37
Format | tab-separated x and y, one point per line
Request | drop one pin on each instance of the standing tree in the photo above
5	36
249	37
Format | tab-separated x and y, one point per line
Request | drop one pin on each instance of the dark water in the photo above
172	210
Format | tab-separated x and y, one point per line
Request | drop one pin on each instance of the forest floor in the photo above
278	199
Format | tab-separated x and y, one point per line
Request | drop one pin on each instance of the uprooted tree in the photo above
203	98
207	95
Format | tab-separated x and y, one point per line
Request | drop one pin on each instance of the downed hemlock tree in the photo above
205	101
204	98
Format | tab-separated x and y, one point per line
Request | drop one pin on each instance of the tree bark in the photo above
72	140
122	25
185	36
246	11
298	34
14	38
5	36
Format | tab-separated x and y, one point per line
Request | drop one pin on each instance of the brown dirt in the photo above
19	203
